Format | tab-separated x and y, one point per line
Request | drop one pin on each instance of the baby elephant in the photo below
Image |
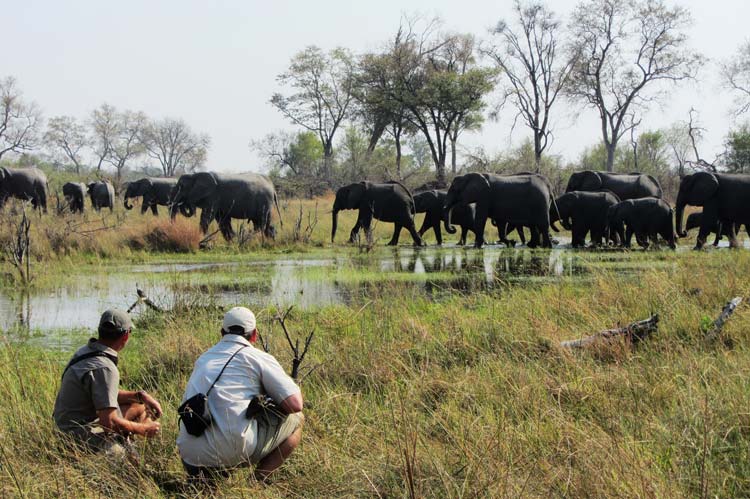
647	218
582	212
721	229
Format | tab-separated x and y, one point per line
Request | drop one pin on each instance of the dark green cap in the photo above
115	320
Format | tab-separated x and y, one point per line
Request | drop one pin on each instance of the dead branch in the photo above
142	298
635	332
297	357
204	242
699	162
726	313
18	248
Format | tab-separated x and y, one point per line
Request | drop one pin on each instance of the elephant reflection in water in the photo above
522	264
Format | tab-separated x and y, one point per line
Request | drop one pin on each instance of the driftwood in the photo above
726	313
635	332
142	298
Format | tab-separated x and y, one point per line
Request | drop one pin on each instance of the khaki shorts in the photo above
272	431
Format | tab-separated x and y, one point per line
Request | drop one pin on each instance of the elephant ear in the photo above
702	186
356	194
590	181
204	185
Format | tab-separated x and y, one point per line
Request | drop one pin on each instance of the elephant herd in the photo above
610	208
221	198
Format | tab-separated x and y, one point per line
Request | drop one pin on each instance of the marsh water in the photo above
340	278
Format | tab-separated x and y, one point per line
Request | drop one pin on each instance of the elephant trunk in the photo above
334	221
128	206
187	210
678	215
448	212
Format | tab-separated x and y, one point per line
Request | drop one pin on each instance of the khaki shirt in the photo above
87	386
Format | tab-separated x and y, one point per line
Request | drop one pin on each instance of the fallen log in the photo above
726	313
635	332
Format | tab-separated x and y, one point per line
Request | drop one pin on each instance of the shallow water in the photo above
343	278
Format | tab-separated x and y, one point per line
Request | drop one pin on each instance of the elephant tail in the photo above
557	211
276	202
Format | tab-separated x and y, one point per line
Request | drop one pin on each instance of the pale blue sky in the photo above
215	63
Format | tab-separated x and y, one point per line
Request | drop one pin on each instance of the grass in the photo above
467	395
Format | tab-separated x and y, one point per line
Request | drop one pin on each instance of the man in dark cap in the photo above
90	406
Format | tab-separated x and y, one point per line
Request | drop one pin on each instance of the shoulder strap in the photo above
222	369
79	358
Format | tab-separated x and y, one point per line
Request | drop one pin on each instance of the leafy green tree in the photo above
737	145
295	161
322	93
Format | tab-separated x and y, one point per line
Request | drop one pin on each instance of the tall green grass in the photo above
468	395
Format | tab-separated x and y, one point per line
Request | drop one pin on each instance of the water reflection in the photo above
283	282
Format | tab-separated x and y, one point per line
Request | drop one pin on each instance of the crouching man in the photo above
90	406
232	375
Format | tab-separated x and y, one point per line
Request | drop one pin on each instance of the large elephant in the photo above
75	195
623	185
647	218
432	204
724	198
154	191
102	195
693	221
582	212
518	200
247	196
27	184
388	202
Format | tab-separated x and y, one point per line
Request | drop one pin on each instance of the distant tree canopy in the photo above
737	150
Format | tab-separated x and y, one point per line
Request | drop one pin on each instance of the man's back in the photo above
231	438
87	386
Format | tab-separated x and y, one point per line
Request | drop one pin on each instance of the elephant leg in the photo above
521	235
464	232
503	235
365	223
427	223
438	233
732	236
396	234
355	231
415	236
534	240
479	222
144	207
154	210
628	237
546	240
206	216
225	226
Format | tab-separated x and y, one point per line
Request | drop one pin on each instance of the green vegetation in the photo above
460	394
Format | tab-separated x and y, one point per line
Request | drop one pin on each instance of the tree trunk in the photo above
537	152
611	156
327	162
453	155
398	158
440	171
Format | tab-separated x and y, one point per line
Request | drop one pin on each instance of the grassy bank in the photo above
464	396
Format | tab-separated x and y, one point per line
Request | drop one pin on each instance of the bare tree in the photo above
67	136
678	141
530	59
103	125
126	143
20	121
626	48
323	92
736	75
174	145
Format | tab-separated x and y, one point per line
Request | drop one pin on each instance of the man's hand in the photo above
151	428
152	406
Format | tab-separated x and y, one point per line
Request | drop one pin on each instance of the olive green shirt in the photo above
88	386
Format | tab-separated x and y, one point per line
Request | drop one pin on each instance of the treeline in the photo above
109	142
400	112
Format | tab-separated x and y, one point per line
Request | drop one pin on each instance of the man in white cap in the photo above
239	373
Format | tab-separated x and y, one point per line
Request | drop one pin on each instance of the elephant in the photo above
432	203
694	220
75	194
582	212
724	197
515	199
623	185
154	191
247	196
102	195
387	202
27	184
647	218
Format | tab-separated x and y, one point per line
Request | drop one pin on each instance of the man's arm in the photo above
112	421
292	403
140	397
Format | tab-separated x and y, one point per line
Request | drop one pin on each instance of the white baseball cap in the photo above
239	316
